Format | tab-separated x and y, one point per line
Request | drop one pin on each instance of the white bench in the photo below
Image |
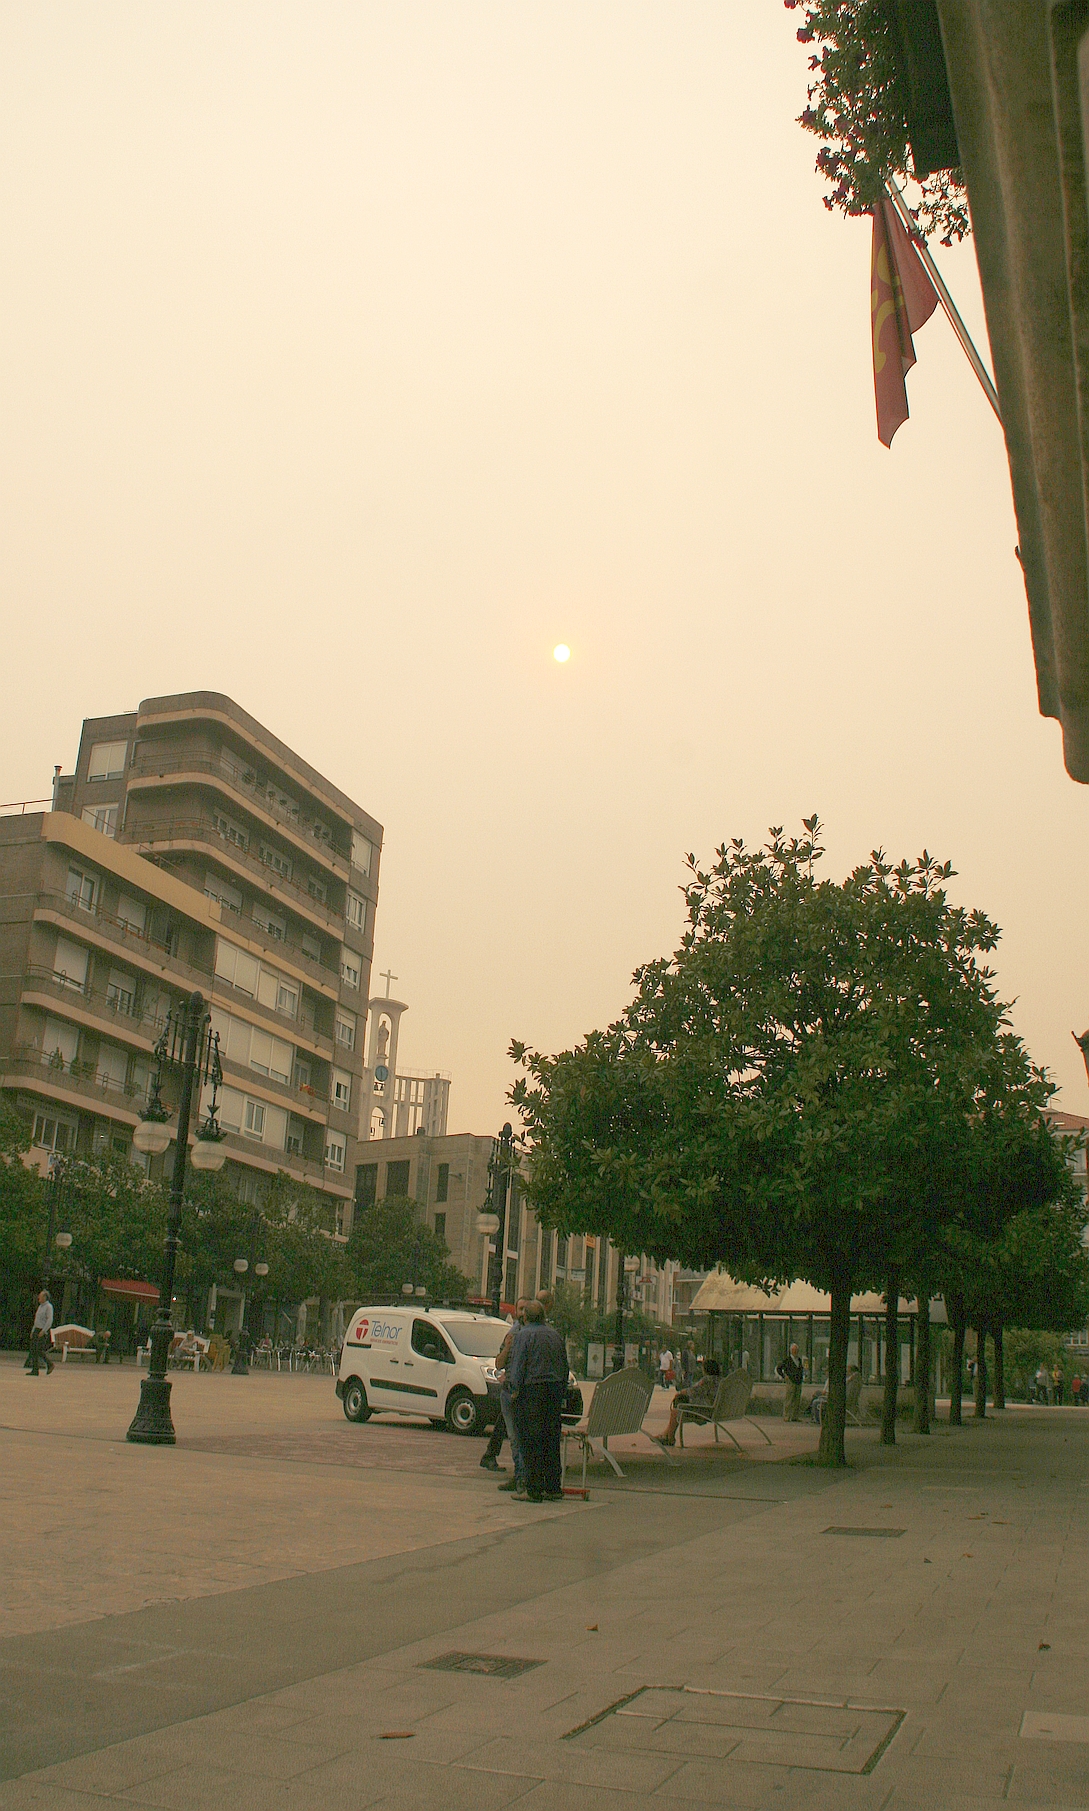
619	1406
731	1404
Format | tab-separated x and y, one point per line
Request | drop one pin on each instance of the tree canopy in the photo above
793	1093
389	1247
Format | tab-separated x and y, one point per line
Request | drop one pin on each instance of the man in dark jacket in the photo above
537	1380
792	1373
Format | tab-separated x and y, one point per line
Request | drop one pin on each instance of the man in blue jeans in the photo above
505	1421
537	1380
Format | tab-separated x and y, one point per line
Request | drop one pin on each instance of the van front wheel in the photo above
462	1414
356	1406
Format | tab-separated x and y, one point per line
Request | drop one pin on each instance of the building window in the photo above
247	1187
61	1042
317	889
229	830
53	1134
276	860
82	889
244	1043
342	1090
132	913
512	1281
253	1123
362	853
349	969
397	1178
102	818
442	1183
224	895
440	1227
311	947
321	832
121	992
107	761
334	1153
262	983
366	1184
295	1135
355	910
269	921
70	965
283	802
345	1026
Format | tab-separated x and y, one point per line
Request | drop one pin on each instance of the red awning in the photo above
124	1290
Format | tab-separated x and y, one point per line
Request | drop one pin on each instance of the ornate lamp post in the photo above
191	1047
494	1217
242	1267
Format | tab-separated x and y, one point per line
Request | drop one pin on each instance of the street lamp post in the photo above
188	1045
498	1187
243	1266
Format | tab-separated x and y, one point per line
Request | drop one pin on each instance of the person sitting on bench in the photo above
701	1395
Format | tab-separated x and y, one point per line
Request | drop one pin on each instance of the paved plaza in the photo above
286	1610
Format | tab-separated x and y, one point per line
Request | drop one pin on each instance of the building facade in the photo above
191	850
447	1179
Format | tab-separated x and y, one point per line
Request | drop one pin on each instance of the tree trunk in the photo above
981	1371
922	1362
999	1367
833	1421
955	1307
892	1359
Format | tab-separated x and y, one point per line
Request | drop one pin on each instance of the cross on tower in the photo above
388	977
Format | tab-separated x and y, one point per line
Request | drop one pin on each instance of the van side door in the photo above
428	1368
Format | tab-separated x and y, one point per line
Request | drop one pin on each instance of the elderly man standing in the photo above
40	1335
537	1380
792	1373
505	1422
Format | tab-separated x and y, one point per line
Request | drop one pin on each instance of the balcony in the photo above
267	1157
136	944
301	1032
305	1098
184	832
115	1008
78	1079
245	784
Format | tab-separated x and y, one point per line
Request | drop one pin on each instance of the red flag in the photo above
902	299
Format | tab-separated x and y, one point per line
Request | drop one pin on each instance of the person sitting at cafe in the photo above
701	1395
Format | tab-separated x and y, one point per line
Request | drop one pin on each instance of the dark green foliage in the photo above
797	1091
389	1247
22	1229
859	103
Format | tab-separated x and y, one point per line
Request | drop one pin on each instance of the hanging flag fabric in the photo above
902	299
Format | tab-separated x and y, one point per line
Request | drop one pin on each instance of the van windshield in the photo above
477	1339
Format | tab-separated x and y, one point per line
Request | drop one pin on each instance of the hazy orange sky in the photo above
353	355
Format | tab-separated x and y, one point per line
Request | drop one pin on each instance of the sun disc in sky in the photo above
561	652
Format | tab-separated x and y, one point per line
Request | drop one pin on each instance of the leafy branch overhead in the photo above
879	103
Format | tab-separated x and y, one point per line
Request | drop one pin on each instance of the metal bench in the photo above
731	1404
619	1406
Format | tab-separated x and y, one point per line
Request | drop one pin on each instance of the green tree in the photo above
858	105
117	1219
23	1217
789	1094
389	1247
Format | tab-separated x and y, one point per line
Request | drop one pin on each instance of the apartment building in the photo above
447	1178
190	849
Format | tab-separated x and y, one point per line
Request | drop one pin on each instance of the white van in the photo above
437	1362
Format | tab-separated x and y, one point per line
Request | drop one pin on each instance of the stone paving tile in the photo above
402	1781
785	1788
554	1795
41	1795
577	1766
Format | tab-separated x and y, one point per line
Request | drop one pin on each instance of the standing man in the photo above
505	1422
792	1373
537	1379
665	1367
40	1335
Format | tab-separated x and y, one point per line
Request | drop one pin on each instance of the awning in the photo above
122	1289
721	1294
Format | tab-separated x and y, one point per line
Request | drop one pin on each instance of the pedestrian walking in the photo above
537	1378
1058	1382
792	1373
1075	1390
665	1367
41	1336
505	1423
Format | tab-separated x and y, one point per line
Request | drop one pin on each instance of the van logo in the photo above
361	1330
386	1332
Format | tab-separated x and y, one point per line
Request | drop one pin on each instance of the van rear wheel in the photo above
462	1414
356	1406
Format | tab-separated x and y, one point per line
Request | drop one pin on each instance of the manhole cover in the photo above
497	1666
873	1534
677	1720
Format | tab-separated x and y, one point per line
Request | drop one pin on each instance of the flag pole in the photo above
944	297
